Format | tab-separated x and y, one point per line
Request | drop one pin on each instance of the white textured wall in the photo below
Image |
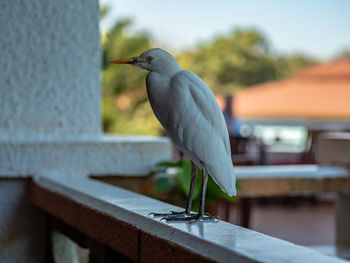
83	155
22	231
49	67
49	86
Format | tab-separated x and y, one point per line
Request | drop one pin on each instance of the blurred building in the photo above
317	97
289	115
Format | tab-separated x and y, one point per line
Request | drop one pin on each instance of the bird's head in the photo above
154	60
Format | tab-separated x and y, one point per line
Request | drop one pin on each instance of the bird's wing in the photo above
194	117
197	126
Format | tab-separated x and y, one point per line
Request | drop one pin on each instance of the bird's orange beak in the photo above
124	60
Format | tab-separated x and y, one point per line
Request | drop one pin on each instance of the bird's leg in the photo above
193	182
201	216
203	192
189	198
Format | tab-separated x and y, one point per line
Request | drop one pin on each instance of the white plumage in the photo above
188	111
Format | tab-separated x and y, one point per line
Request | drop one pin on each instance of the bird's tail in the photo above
223	174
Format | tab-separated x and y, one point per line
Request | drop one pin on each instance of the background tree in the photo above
344	54
124	93
240	59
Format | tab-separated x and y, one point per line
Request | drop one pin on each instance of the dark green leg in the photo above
201	216
187	211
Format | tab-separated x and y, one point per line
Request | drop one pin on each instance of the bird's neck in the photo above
158	83
167	68
157	88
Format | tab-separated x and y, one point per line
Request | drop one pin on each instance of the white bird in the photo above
188	111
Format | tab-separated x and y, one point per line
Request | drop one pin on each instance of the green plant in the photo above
181	180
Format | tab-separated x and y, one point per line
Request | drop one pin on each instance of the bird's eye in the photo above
149	59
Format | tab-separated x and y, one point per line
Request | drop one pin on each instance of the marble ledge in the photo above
152	239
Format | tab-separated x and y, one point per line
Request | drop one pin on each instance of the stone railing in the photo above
114	224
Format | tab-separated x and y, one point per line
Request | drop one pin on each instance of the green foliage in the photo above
164	184
124	91
103	11
344	54
119	44
182	180
231	62
167	164
238	60
289	65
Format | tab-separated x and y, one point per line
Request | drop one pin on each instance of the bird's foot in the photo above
192	218
171	214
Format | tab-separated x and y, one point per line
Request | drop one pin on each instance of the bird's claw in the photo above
184	216
170	214
193	218
153	214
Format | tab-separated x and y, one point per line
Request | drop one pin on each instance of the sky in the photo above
319	28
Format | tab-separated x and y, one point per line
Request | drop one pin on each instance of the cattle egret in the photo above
188	111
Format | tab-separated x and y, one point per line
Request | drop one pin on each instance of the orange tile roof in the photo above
318	92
